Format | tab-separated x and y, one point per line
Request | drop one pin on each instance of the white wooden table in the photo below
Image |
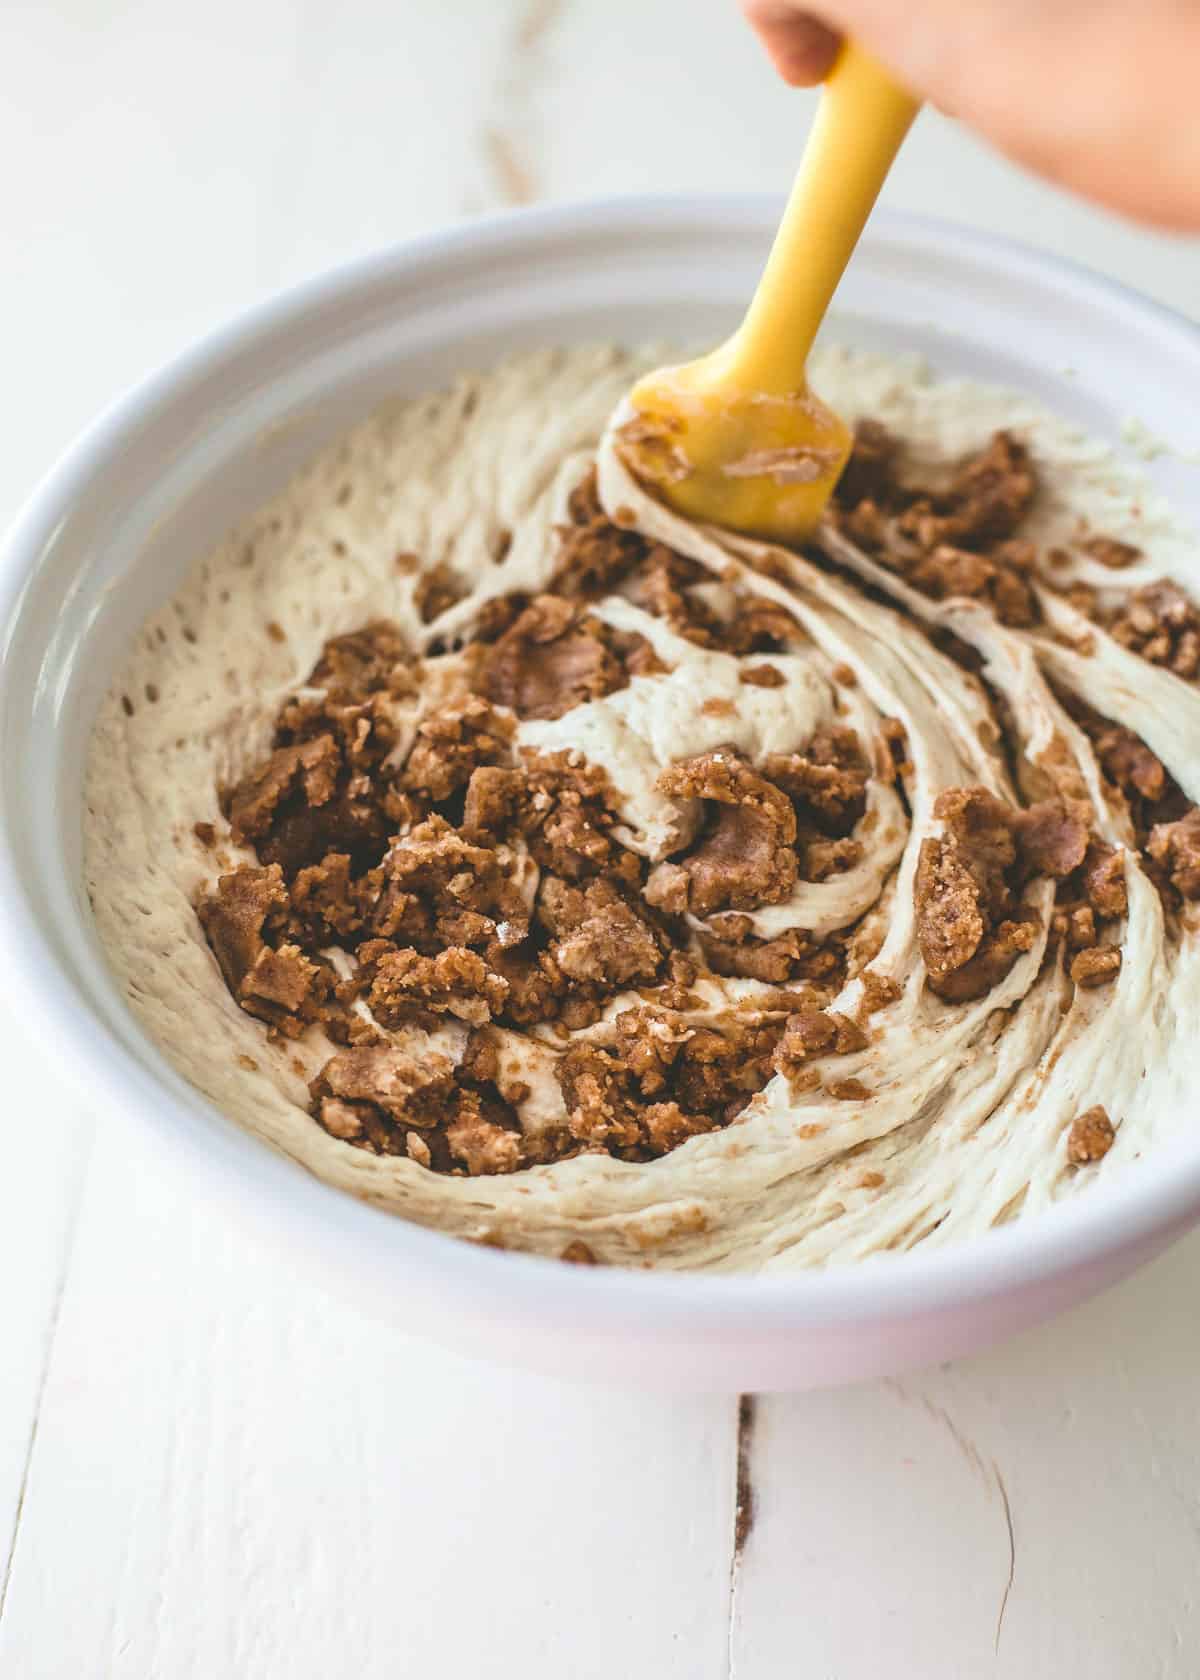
207	1471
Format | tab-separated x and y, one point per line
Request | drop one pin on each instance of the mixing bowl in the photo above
161	476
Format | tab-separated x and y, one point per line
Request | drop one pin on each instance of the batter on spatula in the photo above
738	438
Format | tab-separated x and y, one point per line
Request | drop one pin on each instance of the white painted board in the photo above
208	1471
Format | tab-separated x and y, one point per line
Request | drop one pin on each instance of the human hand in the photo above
1096	95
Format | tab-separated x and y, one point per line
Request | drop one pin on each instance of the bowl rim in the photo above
1145	1203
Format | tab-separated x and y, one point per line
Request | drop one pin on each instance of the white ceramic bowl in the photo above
158	480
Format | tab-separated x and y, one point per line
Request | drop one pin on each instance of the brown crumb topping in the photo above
762	676
1096	965
971	927
878	990
961	540
553	657
658	1082
1091	1136
1175	846
453	742
424	892
731	948
595	554
1157	807
276	983
1161	624
848	1090
1111	553
953	542
746	855
1104	880
436	880
812	1033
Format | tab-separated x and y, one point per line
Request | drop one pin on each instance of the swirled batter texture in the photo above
528	861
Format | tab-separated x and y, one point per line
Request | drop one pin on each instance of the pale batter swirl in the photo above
529	861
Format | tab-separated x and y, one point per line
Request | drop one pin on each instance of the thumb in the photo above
801	47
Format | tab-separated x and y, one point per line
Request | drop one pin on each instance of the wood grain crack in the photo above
60	1286
507	139
989	1473
1012	1551
743	1510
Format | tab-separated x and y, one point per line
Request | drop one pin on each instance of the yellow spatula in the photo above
737	438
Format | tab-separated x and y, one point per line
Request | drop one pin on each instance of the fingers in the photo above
801	47
1095	95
